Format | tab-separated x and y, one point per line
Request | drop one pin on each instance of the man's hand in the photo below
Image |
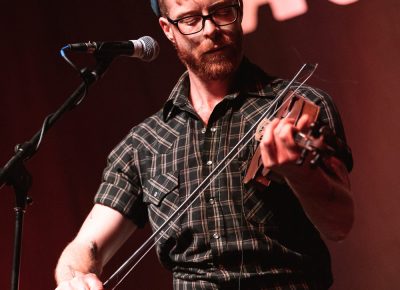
279	150
82	281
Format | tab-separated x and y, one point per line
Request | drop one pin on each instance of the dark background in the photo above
357	48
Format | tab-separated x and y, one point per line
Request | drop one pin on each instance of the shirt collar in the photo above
251	80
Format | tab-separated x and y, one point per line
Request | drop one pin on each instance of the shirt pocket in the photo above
157	188
161	195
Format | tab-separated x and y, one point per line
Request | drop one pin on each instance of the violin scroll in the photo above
321	142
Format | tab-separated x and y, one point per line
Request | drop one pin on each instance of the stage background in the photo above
357	47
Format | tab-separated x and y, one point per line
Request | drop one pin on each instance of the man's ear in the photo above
166	27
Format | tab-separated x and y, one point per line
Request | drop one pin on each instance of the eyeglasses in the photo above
195	23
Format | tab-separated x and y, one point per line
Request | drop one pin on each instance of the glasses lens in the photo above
225	15
190	24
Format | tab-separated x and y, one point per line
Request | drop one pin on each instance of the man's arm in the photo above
101	235
325	195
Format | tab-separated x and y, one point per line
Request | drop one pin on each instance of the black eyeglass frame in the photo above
204	18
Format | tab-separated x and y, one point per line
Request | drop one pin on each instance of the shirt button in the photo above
213	129
211	201
209	162
203	130
216	236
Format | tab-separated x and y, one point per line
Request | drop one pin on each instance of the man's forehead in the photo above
193	3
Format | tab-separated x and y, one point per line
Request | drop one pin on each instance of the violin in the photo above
318	140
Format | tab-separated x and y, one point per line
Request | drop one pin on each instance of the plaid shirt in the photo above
233	234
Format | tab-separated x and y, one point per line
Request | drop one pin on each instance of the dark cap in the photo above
155	7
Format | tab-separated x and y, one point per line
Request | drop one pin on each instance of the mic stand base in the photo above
21	180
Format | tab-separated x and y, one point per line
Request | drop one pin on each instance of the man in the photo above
233	236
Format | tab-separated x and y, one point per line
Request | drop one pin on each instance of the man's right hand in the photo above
84	281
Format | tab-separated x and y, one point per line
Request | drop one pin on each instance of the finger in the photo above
268	146
284	138
281	124
79	283
269	131
94	283
304	122
288	150
284	134
68	285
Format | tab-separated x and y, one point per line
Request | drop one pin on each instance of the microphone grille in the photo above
151	48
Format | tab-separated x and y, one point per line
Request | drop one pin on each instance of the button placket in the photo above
212	210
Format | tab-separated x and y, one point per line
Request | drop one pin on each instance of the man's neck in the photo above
206	94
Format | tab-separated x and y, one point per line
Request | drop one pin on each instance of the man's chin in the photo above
216	71
216	67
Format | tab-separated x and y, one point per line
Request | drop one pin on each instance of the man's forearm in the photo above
78	259
327	199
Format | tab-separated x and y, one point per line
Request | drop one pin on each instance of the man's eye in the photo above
226	11
192	20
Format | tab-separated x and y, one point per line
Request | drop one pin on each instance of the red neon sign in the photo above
281	10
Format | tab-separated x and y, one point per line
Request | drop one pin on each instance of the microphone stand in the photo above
15	174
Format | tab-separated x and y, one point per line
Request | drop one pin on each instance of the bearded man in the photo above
234	236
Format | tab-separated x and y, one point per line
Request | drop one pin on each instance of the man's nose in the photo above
209	27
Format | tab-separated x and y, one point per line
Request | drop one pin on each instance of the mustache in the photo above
210	45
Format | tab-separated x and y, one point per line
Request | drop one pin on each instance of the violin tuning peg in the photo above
314	162
327	131
17	148
315	129
302	157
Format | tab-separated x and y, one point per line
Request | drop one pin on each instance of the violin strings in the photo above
188	202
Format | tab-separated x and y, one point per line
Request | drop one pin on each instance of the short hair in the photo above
158	7
163	8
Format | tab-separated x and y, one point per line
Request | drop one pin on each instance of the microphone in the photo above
144	48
